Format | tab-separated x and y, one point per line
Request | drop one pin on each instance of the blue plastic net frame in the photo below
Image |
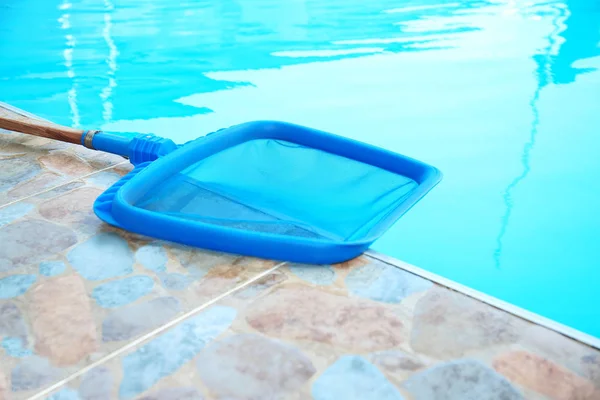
119	205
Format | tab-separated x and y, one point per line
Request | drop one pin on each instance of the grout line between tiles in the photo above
490	300
63	184
149	335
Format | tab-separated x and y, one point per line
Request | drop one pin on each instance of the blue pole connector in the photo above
138	148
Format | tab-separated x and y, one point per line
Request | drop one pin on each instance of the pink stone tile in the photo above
354	263
302	313
545	377
72	208
222	277
61	320
583	360
66	163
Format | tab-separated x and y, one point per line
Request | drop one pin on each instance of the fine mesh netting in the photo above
279	187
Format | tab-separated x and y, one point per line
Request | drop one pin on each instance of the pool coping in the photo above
491	300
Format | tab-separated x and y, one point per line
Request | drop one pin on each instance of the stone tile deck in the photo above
91	312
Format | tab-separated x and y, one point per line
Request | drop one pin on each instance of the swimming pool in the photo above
502	96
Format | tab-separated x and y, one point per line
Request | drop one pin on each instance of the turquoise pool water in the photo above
502	96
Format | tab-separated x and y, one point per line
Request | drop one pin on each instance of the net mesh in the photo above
278	187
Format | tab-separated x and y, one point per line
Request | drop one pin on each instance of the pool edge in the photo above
493	301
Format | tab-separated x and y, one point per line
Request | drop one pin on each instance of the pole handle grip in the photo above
12	120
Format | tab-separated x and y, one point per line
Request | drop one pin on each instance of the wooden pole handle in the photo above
13	120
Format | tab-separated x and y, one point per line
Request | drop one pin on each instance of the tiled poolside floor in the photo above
103	314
